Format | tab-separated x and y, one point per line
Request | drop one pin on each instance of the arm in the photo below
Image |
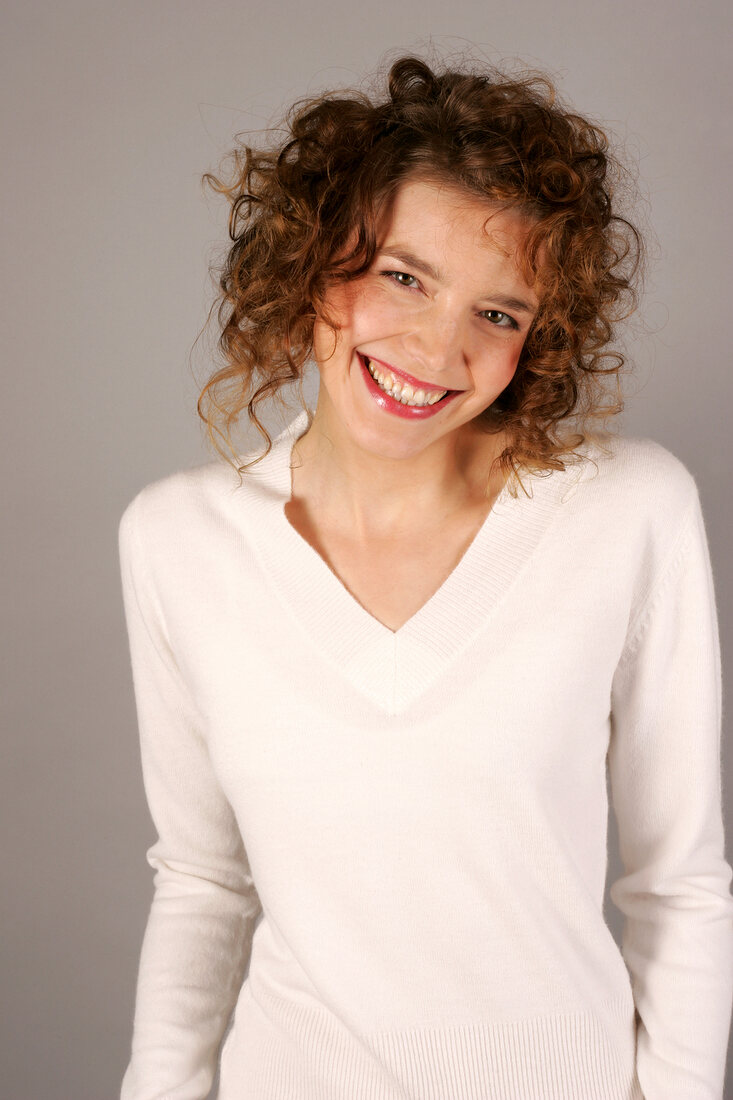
665	777
199	931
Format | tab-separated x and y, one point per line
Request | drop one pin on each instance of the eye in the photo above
502	320
402	278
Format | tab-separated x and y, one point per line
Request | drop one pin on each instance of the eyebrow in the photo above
410	260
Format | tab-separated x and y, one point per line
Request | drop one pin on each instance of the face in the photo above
432	333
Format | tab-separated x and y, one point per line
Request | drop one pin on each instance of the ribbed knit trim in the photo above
304	1054
393	668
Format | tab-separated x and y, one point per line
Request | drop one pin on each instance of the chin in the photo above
398	444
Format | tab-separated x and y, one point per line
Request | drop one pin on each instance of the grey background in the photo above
110	113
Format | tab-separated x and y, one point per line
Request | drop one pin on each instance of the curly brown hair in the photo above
306	213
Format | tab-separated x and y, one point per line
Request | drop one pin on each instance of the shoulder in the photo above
635	504
164	510
190	517
635	477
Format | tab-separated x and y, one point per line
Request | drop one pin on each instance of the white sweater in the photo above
387	851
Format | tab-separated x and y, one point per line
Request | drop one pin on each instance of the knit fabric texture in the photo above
381	856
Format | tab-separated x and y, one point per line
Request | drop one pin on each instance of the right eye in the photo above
399	276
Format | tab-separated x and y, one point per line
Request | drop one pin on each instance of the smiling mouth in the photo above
399	390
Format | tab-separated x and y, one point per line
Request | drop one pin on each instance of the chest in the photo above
393	577
313	738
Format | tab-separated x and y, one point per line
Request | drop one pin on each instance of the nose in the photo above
438	344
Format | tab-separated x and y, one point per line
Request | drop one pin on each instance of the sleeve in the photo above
198	936
665	784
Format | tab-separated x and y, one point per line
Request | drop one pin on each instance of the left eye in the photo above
402	278
498	318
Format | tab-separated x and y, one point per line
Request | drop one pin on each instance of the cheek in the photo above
326	342
500	366
510	368
364	312
375	311
513	360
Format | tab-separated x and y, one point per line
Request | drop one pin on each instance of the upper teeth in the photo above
402	391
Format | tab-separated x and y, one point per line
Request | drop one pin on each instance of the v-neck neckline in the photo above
393	668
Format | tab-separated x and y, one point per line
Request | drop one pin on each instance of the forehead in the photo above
454	228
446	215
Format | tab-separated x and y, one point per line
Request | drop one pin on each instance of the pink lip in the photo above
416	384
389	404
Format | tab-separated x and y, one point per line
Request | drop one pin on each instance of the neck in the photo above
365	493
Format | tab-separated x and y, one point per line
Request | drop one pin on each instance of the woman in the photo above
380	675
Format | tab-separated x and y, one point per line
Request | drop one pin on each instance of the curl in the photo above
306	212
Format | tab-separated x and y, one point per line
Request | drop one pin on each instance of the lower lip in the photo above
389	404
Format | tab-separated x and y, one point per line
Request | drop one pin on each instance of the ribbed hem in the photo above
283	1051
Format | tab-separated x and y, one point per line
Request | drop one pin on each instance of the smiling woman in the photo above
311	211
434	351
379	689
444	326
